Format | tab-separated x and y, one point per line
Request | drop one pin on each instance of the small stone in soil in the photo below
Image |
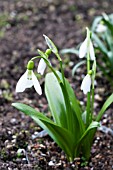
51	163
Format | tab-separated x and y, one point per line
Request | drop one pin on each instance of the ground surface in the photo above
22	25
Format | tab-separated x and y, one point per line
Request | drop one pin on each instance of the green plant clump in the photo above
73	127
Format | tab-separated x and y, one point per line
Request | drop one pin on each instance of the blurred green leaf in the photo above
69	50
77	66
100	44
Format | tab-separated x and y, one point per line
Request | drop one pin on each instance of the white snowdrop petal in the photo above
41	66
86	84
83	49
101	28
91	50
23	83
36	84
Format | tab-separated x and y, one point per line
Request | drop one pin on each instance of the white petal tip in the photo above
44	35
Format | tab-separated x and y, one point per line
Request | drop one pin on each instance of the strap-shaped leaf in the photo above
60	135
77	66
100	44
70	50
56	100
85	140
96	22
55	95
109	25
91	126
105	106
76	108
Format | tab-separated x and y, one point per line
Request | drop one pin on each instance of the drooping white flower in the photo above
86	84
41	66
101	28
83	49
27	80
86	47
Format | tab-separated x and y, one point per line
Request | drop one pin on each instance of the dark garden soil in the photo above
22	25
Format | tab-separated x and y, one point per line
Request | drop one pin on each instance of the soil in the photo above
22	25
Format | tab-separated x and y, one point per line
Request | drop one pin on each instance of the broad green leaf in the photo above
75	105
58	104
56	100
51	45
105	106
60	135
78	125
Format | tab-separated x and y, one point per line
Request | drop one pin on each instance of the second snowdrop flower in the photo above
87	47
101	28
41	66
86	84
28	79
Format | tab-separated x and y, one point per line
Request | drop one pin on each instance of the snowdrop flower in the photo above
86	84
86	47
41	66
28	79
101	28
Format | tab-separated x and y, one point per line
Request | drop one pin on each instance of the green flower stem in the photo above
88	95
67	101
48	64
88	109
88	69
92	104
34	58
58	56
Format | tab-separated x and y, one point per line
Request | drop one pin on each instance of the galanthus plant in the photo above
72	126
102	35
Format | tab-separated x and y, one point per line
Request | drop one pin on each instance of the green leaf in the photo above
105	106
58	104
85	140
56	100
51	45
77	66
60	135
69	50
96	21
109	25
78	124
100	44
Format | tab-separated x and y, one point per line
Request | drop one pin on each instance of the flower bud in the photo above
48	51
30	65
90	72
